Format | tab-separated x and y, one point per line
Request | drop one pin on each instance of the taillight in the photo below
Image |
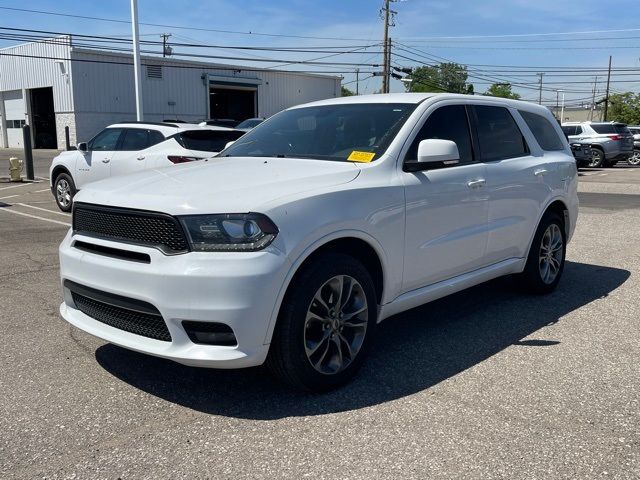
180	159
614	137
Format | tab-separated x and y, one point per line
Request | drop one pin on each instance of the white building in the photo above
52	85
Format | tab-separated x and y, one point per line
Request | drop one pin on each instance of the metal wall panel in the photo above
36	65
103	86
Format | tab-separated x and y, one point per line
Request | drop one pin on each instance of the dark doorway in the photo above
232	103
43	118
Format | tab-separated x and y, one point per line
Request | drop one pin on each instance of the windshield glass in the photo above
344	132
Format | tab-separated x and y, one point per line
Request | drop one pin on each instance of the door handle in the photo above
540	172
106	160
476	183
140	158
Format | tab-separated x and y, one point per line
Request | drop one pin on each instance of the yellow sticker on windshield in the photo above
364	157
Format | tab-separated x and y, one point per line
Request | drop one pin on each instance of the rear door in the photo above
95	163
516	182
131	154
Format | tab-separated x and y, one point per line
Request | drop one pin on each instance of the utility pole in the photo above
388	22
136	59
357	81
540	96
562	111
557	102
166	50
593	99
606	98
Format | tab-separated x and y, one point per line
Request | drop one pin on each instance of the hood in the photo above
218	185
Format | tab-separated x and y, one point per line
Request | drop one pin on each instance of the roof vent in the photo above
154	71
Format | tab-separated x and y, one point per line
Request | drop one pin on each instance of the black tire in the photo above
531	279
597	158
287	359
61	182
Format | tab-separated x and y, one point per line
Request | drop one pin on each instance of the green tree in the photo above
345	92
625	108
446	77
502	90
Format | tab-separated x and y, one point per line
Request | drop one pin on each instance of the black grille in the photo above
131	226
141	318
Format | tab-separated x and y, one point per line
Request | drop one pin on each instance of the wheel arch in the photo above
57	170
556	205
354	243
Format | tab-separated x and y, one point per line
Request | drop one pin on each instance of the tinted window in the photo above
106	140
498	134
155	137
622	129
207	140
609	128
606	128
134	139
252	122
569	129
340	132
543	130
446	123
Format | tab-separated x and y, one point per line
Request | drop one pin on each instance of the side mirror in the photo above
229	144
434	153
83	147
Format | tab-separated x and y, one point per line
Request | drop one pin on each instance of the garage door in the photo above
14	109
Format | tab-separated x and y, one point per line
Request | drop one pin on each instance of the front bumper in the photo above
238	289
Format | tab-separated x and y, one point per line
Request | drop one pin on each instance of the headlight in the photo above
245	232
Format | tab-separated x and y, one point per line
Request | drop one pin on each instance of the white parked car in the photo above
309	230
129	147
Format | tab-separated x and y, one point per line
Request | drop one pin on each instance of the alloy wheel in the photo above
63	193
551	251
635	158
336	324
596	158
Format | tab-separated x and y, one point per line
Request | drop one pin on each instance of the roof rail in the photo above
160	124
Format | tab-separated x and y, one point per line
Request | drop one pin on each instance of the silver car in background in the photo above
610	142
635	158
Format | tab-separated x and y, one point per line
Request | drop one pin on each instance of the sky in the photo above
492	37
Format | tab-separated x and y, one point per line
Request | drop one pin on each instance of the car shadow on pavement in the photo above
414	351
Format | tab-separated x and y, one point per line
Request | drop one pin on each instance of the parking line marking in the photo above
35	216
44	209
10	196
16	186
44	190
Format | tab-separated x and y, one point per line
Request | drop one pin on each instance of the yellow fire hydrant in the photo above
15	169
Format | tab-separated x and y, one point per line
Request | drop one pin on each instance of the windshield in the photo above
344	132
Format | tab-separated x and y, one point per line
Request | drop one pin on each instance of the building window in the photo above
15	123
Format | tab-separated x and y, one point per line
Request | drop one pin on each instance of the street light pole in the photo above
562	112
136	59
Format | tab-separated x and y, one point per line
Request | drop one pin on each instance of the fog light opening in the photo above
210	333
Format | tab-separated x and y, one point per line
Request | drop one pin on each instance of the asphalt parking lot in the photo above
488	383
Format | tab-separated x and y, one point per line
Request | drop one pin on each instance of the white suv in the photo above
318	224
129	147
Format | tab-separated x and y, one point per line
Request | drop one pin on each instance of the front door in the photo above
94	164
446	209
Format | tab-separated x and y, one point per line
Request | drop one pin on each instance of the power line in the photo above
189	67
178	27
